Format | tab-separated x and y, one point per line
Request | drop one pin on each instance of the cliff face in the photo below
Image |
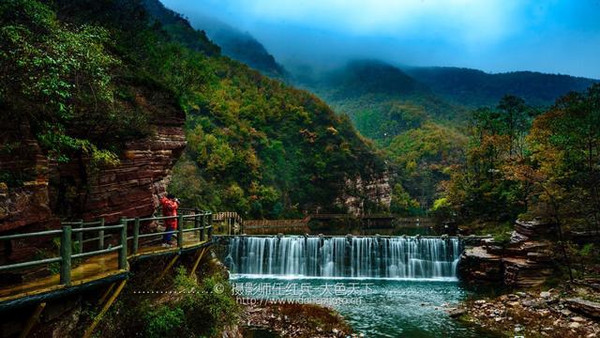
363	197
132	188
526	261
47	190
26	169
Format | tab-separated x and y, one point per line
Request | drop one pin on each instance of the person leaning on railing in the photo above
170	204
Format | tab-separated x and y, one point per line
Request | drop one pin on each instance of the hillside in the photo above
232	42
265	149
381	99
240	46
254	145
474	88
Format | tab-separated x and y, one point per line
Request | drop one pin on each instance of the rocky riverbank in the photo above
571	311
292	320
526	260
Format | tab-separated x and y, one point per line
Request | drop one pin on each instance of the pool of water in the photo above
375	307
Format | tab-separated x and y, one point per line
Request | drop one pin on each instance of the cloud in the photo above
468	20
492	35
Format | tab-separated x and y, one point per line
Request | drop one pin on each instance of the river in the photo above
383	286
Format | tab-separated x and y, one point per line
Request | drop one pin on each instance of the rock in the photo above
454	313
478	265
566	312
585	307
131	188
517	237
521	272
545	294
480	301
574	325
577	319
533	229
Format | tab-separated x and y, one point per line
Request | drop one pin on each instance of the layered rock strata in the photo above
526	261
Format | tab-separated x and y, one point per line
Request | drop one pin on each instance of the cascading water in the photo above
361	257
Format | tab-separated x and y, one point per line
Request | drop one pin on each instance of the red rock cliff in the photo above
47	190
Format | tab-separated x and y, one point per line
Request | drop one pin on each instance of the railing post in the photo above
136	234
123	251
210	229
65	254
101	235
80	237
203	225
197	221
180	231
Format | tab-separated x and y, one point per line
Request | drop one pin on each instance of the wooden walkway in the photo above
107	265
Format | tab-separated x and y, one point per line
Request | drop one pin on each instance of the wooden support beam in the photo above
98	318
106	293
35	316
200	255
164	272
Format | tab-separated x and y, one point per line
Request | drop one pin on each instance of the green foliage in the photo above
384	124
209	305
89	77
268	150
59	79
425	157
164	321
564	171
474	88
485	187
402	203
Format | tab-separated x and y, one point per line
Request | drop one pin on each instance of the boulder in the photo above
477	264
585	307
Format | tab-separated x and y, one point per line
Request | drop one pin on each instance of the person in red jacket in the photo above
169	208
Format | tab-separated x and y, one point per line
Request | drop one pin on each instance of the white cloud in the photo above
474	21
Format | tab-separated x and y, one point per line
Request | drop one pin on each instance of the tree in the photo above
566	148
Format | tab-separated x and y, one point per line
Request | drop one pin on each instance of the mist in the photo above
560	37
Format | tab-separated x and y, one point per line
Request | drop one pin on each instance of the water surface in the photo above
375	307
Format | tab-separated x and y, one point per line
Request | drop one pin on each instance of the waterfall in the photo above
360	257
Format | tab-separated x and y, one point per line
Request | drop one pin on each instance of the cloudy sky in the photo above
553	36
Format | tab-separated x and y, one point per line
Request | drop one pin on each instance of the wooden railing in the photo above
73	232
287	226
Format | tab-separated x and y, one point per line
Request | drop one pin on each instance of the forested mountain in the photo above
474	88
255	145
381	99
416	129
234	43
253	141
240	46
